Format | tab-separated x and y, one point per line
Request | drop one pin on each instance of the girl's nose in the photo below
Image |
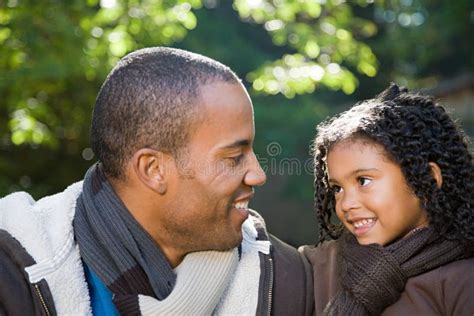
349	200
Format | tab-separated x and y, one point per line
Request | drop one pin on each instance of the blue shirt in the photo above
101	296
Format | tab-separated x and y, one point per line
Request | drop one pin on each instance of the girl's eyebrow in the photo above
355	172
362	170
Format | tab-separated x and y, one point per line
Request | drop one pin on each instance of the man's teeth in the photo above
363	222
242	205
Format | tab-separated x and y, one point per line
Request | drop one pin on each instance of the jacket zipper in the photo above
43	303
270	292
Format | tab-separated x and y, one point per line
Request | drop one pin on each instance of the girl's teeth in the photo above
363	222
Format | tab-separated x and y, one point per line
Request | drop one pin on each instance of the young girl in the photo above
397	173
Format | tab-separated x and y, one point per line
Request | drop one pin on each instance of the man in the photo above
161	224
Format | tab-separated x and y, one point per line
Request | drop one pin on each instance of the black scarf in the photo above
114	245
373	277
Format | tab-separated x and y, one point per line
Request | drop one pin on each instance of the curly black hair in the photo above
414	131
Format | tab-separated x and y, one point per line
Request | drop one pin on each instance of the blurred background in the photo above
301	61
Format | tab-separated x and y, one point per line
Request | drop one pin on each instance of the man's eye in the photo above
364	181
237	159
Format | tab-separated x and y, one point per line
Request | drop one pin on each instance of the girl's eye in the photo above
364	181
336	189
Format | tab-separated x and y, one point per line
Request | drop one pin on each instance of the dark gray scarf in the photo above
114	245
373	277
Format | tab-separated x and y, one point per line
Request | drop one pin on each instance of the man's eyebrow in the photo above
236	144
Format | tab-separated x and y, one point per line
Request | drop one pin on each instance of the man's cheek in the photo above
223	175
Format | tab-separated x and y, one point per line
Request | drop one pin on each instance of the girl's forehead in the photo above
357	143
350	147
347	161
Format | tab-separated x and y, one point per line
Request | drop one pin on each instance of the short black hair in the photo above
150	99
413	130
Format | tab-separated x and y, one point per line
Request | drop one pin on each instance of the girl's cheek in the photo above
339	214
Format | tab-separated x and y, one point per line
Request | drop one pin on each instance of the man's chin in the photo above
227	236
240	215
230	243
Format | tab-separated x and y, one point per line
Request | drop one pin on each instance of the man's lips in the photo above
243	201
241	204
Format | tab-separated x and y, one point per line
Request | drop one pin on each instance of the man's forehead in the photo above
223	90
226	117
226	134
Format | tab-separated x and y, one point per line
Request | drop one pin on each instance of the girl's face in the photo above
373	200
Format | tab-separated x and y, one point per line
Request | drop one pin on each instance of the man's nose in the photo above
255	175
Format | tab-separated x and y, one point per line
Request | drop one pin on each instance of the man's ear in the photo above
436	174
150	166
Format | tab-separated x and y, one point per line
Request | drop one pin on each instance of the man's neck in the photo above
134	202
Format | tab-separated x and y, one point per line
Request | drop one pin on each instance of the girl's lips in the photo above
363	226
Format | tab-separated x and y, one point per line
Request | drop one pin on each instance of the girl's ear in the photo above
436	173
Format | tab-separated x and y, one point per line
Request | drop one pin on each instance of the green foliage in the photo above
55	56
294	55
424	41
49	47
324	42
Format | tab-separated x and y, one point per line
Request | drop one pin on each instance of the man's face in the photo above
216	173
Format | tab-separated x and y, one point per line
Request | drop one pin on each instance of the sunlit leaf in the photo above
5	16
311	28
4	34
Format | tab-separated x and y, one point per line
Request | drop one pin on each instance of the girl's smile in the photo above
362	225
373	200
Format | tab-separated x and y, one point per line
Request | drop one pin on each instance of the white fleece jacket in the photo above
45	230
